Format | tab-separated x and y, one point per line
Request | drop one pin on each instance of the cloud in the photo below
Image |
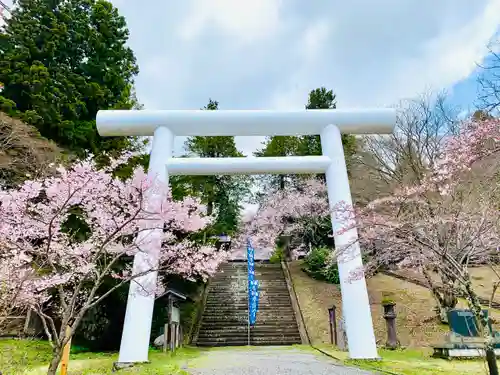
248	21
451	56
383	52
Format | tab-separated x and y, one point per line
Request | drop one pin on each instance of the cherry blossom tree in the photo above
449	221
295	210
63	236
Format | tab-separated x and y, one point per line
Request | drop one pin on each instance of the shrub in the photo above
331	273
277	256
317	266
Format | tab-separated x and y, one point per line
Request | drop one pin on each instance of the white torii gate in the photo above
165	125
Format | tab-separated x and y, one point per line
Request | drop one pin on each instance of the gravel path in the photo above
267	361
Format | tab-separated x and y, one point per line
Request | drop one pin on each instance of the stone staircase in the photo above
224	321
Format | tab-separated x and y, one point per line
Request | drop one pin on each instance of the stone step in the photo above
226	292
231	294
274	321
230	281
243	317
265	307
244	277
243	324
244	304
270	332
235	296
244	343
244	296
243	321
262	310
244	286
241	341
271	279
245	265
226	297
233	336
259	338
217	305
238	302
220	326
244	271
257	330
244	307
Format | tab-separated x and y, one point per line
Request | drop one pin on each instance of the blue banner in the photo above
253	286
254	301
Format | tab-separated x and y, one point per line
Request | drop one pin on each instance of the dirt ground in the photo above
416	325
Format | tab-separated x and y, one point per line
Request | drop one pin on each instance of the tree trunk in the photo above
491	359
476	307
54	363
210	208
440	308
282	182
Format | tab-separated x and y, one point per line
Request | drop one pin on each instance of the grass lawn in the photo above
413	362
31	357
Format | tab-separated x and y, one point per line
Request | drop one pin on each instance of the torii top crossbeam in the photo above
245	122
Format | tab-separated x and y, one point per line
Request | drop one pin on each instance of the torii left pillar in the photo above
140	303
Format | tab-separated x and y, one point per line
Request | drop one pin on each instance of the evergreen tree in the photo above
61	62
222	194
320	98
279	146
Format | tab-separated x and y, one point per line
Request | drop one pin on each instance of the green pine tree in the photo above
221	194
61	62
320	98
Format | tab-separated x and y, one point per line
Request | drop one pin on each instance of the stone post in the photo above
342	342
390	320
333	326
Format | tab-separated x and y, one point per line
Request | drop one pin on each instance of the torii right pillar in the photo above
355	303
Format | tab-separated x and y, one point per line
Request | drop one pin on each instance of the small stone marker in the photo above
341	335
